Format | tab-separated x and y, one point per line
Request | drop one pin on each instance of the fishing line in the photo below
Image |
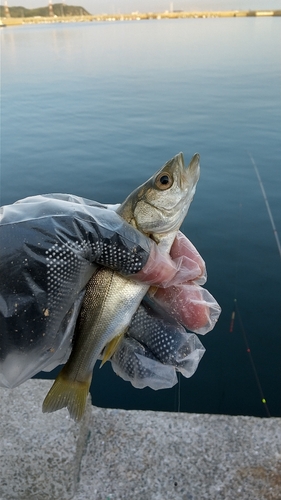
266	203
236	310
179	392
236	260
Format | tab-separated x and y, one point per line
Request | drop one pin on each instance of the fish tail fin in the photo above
68	393
110	348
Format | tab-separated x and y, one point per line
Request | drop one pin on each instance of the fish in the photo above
157	208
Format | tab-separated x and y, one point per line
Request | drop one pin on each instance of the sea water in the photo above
95	108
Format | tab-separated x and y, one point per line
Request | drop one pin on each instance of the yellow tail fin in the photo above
110	348
67	393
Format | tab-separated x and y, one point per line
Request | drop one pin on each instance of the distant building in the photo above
265	13
51	12
6	9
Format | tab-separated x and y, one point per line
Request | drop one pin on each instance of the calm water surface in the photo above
95	109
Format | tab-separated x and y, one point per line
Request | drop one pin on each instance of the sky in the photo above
109	6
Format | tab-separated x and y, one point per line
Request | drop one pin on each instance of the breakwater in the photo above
139	16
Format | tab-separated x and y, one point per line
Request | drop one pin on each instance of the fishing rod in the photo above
266	203
236	310
248	349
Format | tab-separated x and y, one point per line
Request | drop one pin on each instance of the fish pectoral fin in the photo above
152	291
110	348
68	393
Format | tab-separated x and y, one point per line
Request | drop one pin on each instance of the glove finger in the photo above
134	363
153	348
182	246
162	271
165	338
191	305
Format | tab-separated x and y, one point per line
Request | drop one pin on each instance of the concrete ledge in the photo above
40	453
147	455
117	454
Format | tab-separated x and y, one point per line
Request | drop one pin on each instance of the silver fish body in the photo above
157	209
108	306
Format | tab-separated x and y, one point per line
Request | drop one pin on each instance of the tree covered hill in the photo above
59	9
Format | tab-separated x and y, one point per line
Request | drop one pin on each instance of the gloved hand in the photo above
50	247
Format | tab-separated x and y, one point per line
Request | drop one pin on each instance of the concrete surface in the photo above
40	454
117	454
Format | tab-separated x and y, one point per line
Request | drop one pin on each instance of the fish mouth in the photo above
188	175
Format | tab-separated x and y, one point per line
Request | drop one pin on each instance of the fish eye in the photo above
164	181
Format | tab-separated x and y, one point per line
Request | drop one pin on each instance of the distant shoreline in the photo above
137	16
